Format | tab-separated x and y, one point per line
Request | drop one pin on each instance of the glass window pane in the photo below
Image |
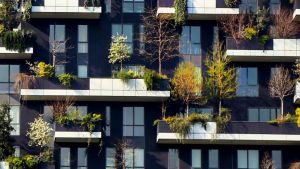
14	70
51	33
60	32
82	47
139	115
253	115
253	159
4	73
195	34
139	157
139	131
82	71
108	6
139	7
82	33
276	157
127	7
196	158
129	157
4	87
110	157
64	156
47	114
127	130
127	115
252	76
127	31
242	158
173	159
82	157
15	113
116	29
59	69
242	76
264	115
195	49
273	114
213	157
82	109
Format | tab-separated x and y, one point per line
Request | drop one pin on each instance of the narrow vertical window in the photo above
133	6
110	158
82	56
133	121
277	158
173	159
65	158
125	30
142	39
15	116
108	6
213	159
107	120
8	74
196	159
248	159
82	158
248	82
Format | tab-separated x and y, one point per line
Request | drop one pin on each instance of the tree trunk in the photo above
53	60
121	68
281	107
159	65
220	107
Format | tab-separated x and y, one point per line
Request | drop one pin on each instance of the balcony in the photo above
64	9
296	14
243	133
97	89
198	9
75	134
275	50
12	54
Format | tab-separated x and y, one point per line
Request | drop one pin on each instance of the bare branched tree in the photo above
57	47
295	165
234	25
60	107
281	85
161	39
122	153
267	162
283	25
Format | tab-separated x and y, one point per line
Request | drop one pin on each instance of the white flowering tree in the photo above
119	50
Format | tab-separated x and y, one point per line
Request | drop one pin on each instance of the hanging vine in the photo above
180	11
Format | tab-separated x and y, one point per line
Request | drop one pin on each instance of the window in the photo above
133	121
247	80
107	121
57	41
248	6
190	40
126	30
82	158
81	109
15	116
133	6
274	6
248	159
134	158
65	158
196	159
17	151
4	165
48	114
108	6
8	74
274	70
82	56
110	158
277	158
215	35
263	114
201	110
173	159
213	159
142	39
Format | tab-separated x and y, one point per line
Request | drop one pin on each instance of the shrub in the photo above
249	33
263	39
180	11
16	40
152	78
65	79
222	119
288	118
25	162
298	116
45	70
232	3
89	121
126	75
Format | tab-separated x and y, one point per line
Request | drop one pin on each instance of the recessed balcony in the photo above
275	50
75	134
198	9
65	9
97	89
243	133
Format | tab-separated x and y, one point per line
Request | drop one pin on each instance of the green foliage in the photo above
249	33
25	162
262	19
288	118
65	79
152	78
119	50
222	119
125	75
264	39
187	84
180	11
16	40
6	147
296	69
7	13
45	70
232	3
89	121
27	10
182	125
297	112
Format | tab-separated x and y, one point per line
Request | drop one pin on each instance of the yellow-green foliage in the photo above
45	70
180	11
298	116
119	50
249	33
25	162
65	79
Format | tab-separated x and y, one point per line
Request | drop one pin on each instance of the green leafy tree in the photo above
187	84
119	50
6	147
221	80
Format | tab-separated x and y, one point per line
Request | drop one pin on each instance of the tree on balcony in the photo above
281	85
6	147
161	39
187	84
119	50
221	80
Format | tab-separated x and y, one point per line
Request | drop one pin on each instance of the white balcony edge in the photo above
12	54
65	136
